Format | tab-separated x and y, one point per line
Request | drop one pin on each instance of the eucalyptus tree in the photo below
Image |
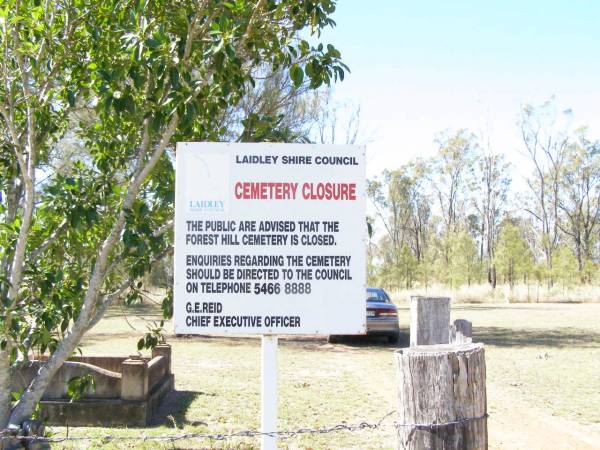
453	167
513	257
451	181
490	198
545	141
391	198
579	199
149	74
275	108
402	204
334	122
463	265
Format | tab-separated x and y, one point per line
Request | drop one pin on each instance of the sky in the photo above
421	67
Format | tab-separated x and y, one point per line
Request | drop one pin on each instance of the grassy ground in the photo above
543	366
520	293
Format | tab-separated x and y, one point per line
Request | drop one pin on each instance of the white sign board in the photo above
270	239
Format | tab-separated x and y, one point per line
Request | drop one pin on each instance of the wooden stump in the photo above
461	332
442	397
429	320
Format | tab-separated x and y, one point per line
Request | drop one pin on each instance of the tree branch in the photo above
110	298
164	229
33	255
28	174
533	214
35	390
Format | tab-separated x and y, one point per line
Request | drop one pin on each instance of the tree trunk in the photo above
442	397
34	392
429	320
5	376
32	395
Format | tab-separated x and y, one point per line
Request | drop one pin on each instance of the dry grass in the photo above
522	293
541	360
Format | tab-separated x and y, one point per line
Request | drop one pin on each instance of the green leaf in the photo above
71	98
124	62
151	43
297	75
174	76
77	386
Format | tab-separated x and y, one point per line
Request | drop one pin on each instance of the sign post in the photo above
270	239
269	391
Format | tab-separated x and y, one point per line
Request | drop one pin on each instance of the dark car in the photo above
382	316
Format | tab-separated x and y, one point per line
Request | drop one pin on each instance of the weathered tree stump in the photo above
461	332
442	397
429	320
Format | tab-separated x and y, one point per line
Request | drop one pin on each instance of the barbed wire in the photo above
287	434
209	436
431	426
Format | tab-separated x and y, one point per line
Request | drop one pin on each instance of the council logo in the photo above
207	205
207	183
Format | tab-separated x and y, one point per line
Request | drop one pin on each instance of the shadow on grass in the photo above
495	336
533	307
555	337
500	337
142	310
310	343
376	341
173	409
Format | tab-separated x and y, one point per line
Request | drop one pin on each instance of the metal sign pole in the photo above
269	391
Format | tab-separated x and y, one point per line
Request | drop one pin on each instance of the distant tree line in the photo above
455	218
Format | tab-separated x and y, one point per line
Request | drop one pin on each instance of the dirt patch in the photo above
515	425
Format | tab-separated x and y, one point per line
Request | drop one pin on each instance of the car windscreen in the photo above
377	296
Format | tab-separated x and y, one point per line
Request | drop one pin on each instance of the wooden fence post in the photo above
461	332
429	320
442	397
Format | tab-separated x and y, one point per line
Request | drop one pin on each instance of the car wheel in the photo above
393	338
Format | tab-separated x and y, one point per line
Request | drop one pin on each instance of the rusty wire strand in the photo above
287	434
